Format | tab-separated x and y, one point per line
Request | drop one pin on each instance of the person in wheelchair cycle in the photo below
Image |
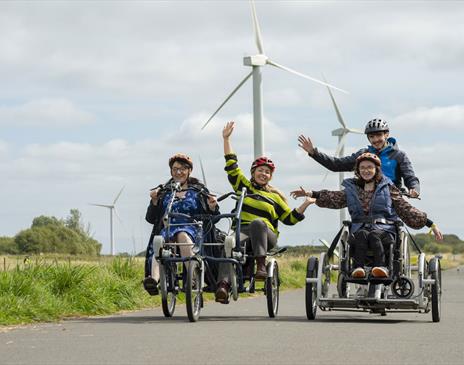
263	207
191	197
376	207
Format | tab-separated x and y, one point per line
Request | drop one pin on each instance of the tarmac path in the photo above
241	332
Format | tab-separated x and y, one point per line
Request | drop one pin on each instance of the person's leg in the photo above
184	237
262	239
360	244
375	244
380	240
150	282
223	279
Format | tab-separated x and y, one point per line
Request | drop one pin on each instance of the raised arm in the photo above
226	133
331	163
323	198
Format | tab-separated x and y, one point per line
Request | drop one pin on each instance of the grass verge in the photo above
44	291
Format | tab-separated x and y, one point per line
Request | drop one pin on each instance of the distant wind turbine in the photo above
341	133
111	207
256	62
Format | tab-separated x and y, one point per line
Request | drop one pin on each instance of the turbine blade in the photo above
101	205
258	38
305	76
337	111
340	145
203	171
227	99
357	131
119	194
117	216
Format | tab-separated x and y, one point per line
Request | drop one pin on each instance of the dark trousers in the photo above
262	240
374	240
261	237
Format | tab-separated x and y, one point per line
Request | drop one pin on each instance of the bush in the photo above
8	246
51	235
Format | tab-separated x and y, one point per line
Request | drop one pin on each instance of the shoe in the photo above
379	272
222	292
261	273
150	285
358	273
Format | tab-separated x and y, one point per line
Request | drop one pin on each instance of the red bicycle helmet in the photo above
181	157
263	161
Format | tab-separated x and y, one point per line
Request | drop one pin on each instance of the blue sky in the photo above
97	95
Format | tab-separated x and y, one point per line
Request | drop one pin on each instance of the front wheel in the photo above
272	289
193	293
167	288
311	288
436	289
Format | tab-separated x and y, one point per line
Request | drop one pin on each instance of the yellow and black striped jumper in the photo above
255	208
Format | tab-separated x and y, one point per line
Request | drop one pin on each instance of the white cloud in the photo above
448	117
45	112
153	72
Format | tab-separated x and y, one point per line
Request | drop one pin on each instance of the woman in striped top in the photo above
260	212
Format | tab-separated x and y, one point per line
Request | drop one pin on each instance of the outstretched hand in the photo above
413	193
306	144
301	192
228	129
436	231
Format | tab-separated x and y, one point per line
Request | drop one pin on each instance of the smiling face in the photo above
378	140
367	170
262	175
180	172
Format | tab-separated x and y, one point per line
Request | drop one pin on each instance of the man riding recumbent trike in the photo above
373	250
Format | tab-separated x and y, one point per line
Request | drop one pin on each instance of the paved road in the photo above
242	333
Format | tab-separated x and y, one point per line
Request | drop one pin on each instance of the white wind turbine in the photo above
341	133
111	207
256	62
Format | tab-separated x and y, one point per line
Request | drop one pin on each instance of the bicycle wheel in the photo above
311	288
272	290
436	290
193	291
167	288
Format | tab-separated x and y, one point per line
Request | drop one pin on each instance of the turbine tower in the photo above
256	62
341	133
112	208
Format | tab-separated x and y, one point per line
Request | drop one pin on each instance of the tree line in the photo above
53	235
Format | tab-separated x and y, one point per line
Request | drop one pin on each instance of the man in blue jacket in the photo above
395	163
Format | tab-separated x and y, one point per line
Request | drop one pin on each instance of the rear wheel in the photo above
311	288
193	291
342	286
167	288
436	289
272	290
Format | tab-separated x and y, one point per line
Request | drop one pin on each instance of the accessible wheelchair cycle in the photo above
399	292
199	271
